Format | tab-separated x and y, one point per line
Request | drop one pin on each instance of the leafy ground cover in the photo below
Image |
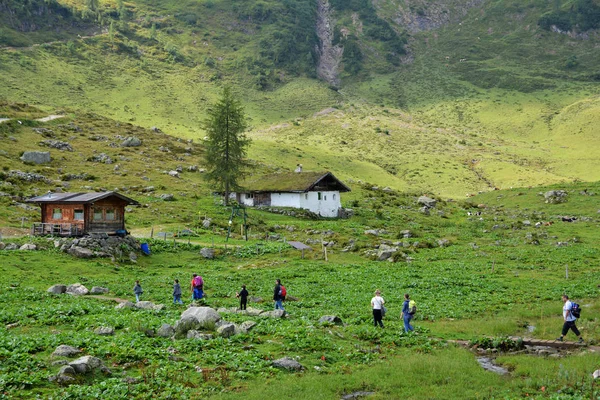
497	275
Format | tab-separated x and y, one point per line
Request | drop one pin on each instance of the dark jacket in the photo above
137	289
176	290
244	294
276	291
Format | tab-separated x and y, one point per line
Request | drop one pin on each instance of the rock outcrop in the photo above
330	56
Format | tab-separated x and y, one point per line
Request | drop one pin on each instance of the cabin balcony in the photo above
66	229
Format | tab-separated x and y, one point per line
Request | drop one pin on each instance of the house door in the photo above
262	199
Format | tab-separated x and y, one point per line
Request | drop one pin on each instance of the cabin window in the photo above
319	196
78	215
98	214
110	214
325	197
57	213
306	196
249	195
334	196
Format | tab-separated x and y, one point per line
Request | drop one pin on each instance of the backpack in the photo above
412	307
282	292
575	310
198	281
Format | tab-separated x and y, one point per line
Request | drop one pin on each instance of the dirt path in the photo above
50	118
100	297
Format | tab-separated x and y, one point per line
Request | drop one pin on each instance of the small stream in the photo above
488	364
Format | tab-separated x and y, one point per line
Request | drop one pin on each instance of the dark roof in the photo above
79	198
294	182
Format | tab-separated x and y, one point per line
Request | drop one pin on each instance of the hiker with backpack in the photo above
409	308
137	290
197	287
279	293
571	311
377	304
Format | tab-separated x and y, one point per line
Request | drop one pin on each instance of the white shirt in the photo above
568	307
377	302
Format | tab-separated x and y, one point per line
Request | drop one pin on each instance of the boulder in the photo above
2	245
174	174
131	141
256	299
443	242
288	364
331	319
57	289
385	252
273	314
86	364
254	312
145	305
77	289
245	327
80	252
425	210
105	331
207	253
193	334
66	370
66	351
206	223
125	304
555	196
427	201
195	318
28	246
11	246
165	331
167	197
36	157
596	374
99	290
226	330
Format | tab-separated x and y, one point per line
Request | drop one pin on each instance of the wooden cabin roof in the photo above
78	198
295	182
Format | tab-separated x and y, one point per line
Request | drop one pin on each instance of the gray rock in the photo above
288	364
28	246
226	330
144	305
245	327
166	331
59	362
555	196
206	223
11	246
66	351
195	318
2	245
167	197
148	189
125	304
80	252
427	201
255	299
104	331
406	234
386	252
77	289
57	144
86	364
36	157
66	370
331	319
101	158
254	312
193	168
57	289
99	290
174	174
375	232
425	210
596	374
207	253
273	314
443	242
193	334
131	141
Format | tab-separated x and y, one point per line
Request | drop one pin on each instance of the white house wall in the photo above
328	206
286	200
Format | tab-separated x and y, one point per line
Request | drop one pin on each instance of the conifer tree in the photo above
227	144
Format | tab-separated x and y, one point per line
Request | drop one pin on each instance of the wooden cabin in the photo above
78	214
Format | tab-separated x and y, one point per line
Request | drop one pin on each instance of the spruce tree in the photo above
227	144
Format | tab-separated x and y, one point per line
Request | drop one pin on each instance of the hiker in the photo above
406	313
377	303
569	319
197	287
177	292
137	290
243	295
279	294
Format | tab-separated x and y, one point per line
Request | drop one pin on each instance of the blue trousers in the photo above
279	304
137	297
177	299
407	326
198	294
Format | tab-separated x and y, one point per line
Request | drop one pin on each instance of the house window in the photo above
306	196
325	197
57	213
98	214
78	215
110	214
334	197
319	196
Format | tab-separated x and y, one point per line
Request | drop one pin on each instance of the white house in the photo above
318	192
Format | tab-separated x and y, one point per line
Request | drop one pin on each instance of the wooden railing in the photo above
68	229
